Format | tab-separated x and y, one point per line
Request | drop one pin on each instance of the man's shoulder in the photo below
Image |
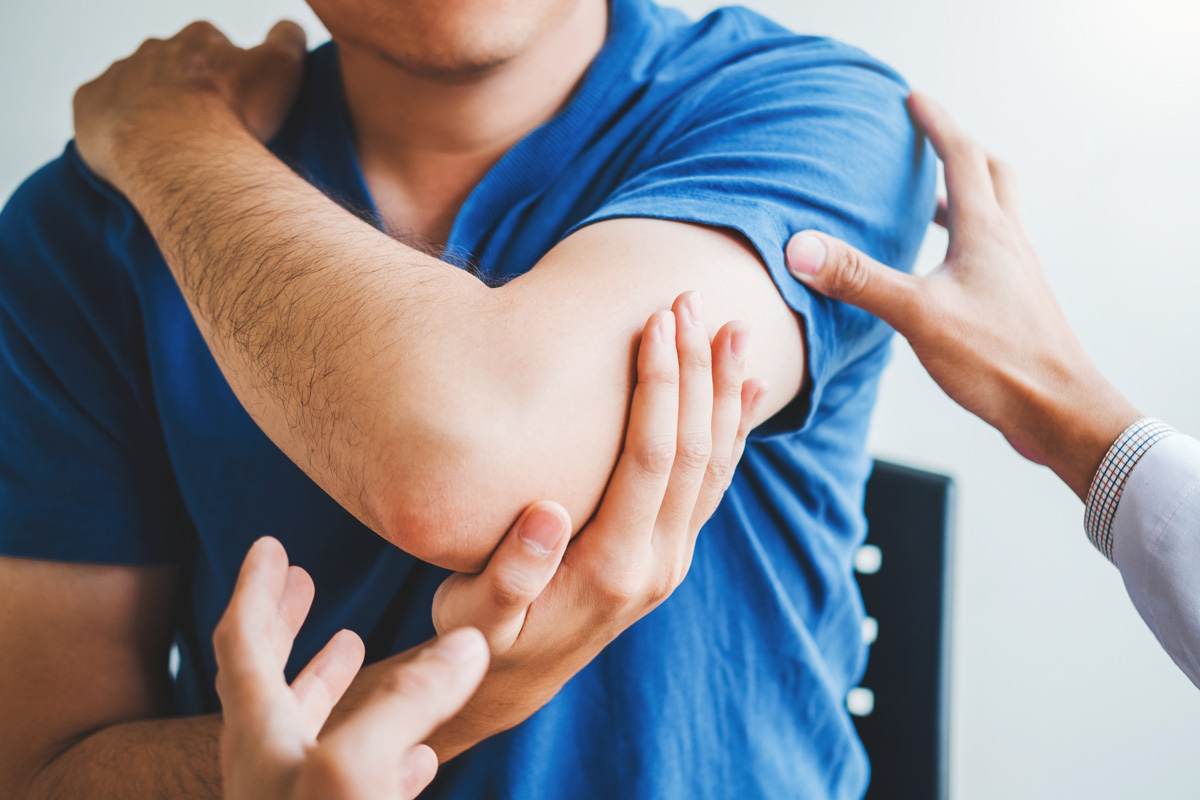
69	248
61	209
63	185
734	43
738	74
65	229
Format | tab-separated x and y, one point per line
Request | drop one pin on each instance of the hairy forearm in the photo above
169	758
311	314
179	759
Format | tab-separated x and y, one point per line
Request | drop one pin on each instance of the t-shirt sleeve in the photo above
83	469
793	134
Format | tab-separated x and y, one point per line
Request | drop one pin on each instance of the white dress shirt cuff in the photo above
1109	482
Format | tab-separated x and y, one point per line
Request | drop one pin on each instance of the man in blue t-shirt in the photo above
199	347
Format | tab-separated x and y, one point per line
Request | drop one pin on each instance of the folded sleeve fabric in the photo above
792	133
83	470
1144	513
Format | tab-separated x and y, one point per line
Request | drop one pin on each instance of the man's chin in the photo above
447	66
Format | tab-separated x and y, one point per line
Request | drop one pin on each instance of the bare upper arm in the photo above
608	278
554	375
82	646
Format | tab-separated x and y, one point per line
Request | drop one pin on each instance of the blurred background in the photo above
1059	690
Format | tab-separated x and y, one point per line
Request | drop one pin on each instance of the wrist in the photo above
505	699
143	143
1083	420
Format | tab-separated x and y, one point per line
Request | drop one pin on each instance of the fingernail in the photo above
462	645
738	343
542	530
695	308
805	255
666	327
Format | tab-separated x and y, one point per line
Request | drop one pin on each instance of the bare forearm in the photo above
170	758
179	759
311	314
1080	423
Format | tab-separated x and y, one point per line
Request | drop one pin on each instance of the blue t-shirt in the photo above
120	441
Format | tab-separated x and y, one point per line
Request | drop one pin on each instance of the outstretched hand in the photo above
985	324
269	748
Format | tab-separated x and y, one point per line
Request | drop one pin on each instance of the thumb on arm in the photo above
496	600
834	268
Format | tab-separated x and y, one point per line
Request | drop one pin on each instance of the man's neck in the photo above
425	141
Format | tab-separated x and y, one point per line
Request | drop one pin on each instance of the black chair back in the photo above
904	570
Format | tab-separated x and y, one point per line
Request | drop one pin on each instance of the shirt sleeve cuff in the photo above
1109	481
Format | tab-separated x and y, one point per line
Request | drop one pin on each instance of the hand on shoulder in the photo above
196	81
985	324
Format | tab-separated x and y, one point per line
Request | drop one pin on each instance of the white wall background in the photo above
1059	692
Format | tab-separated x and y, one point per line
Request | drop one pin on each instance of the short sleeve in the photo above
83	470
792	134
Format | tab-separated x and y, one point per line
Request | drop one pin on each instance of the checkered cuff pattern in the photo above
1109	482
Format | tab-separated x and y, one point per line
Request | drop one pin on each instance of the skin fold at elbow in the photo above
449	493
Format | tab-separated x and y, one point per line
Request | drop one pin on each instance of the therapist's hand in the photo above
545	620
269	748
985	324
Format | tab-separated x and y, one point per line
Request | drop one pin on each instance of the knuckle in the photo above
148	45
993	226
285	51
200	29
850	275
698	357
693	452
719	467
656	455
414	679
965	153
661	376
973	151
615	590
513	588
730	389
666	584
1005	172
226	636
443	610
220	637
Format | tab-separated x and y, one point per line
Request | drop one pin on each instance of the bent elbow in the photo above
443	498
